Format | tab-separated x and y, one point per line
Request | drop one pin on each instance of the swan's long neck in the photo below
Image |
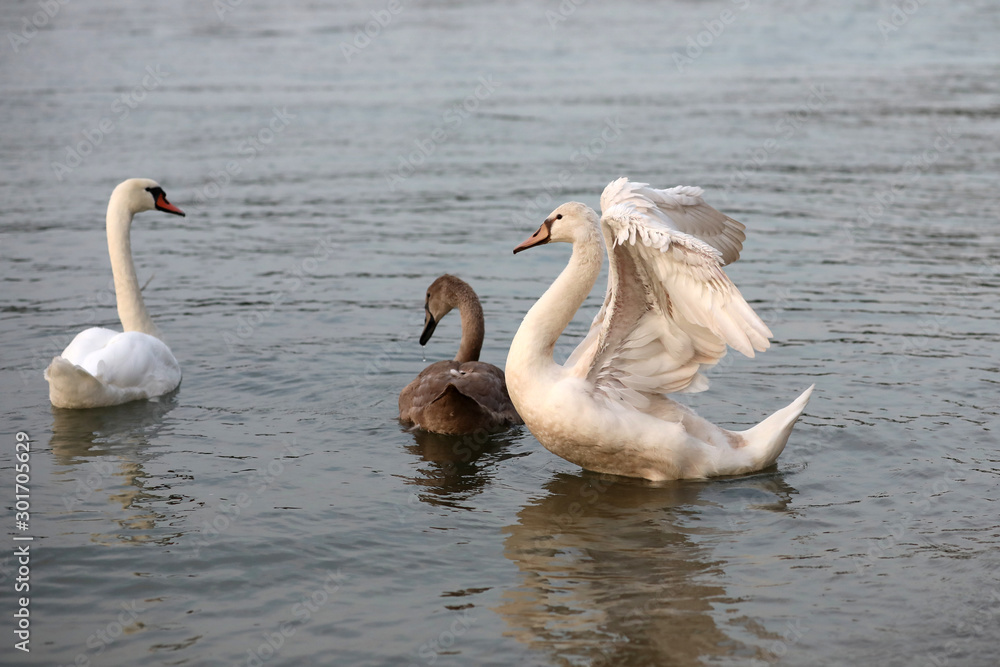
131	308
541	327
473	328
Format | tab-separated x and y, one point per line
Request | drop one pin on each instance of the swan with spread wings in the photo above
670	312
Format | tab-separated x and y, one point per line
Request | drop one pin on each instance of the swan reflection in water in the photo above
99	455
457	466
614	572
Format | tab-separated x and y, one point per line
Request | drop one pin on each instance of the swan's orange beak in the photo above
540	237
163	205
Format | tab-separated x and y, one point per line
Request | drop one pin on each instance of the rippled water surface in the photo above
273	511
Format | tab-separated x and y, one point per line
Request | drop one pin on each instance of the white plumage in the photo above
101	367
670	311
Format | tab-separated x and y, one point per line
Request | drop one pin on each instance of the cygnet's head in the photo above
445	293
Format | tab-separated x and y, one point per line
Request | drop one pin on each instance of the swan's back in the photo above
103	367
454	398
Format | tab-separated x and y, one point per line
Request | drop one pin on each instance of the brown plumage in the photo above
462	395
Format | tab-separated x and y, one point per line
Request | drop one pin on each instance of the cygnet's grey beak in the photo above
429	324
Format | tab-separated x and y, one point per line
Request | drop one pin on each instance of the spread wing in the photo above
670	309
680	209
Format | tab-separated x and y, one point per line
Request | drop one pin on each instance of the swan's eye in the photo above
559	217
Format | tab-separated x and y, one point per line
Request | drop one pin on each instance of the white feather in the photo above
669	312
101	367
692	309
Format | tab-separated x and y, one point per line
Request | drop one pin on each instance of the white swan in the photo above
670	311
102	367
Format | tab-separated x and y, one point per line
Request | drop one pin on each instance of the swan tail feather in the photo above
766	440
70	386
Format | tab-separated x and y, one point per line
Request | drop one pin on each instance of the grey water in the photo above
333	159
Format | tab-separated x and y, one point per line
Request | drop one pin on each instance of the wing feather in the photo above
681	209
670	310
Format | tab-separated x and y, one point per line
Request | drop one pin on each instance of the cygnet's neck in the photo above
473	327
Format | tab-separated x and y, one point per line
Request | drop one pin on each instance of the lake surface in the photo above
273	511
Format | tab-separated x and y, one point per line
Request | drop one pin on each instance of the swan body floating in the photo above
101	367
670	311
462	395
